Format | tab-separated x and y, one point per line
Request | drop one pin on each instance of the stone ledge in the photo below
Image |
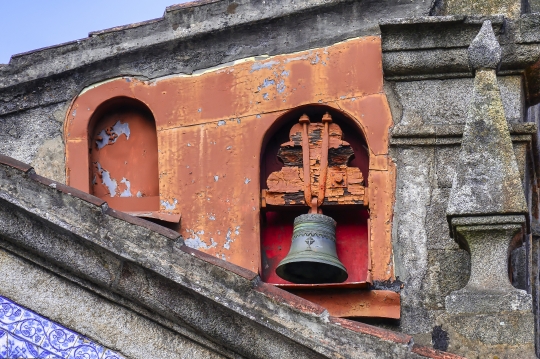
436	46
463	301
433	32
104	292
435	135
507	328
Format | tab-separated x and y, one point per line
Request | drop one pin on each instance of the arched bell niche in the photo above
123	153
282	201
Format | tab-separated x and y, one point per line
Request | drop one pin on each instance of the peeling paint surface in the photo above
215	121
229	237
110	135
169	206
263	65
127	191
123	153
106	179
194	240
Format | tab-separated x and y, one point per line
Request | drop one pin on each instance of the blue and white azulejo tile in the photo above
27	335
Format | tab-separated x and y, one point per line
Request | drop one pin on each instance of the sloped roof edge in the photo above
150	265
179	22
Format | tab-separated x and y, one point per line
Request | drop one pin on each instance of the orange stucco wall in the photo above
211	126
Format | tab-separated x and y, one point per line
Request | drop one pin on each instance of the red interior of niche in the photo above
352	238
351	242
132	158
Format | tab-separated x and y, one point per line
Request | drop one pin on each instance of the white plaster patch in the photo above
228	236
107	180
127	191
115	132
169	206
195	241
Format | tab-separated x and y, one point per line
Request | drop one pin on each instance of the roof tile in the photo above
169	233
371	330
282	296
9	161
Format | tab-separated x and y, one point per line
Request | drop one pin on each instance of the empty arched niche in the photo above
124	156
283	190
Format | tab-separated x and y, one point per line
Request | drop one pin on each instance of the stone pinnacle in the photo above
485	51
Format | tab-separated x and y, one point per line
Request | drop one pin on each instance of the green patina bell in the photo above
312	258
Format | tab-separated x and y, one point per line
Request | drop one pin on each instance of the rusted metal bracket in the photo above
326	119
304	120
315	156
315	202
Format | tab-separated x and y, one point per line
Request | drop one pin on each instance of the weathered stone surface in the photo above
49	160
486	211
436	223
488	239
430	32
23	135
485	51
448	271
432	102
487	301
436	46
509	8
413	193
487	179
488	298
427	47
510	334
446	167
521	151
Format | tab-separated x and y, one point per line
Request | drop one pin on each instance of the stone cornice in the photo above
441	135
436	46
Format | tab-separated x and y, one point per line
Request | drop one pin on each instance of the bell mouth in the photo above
312	272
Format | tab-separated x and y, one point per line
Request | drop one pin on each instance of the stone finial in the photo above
487	180
485	51
486	210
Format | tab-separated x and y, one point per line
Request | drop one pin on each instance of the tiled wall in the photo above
24	334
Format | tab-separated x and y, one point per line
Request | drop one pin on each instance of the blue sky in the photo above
31	24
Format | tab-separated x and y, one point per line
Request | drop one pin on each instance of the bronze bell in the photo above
312	258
